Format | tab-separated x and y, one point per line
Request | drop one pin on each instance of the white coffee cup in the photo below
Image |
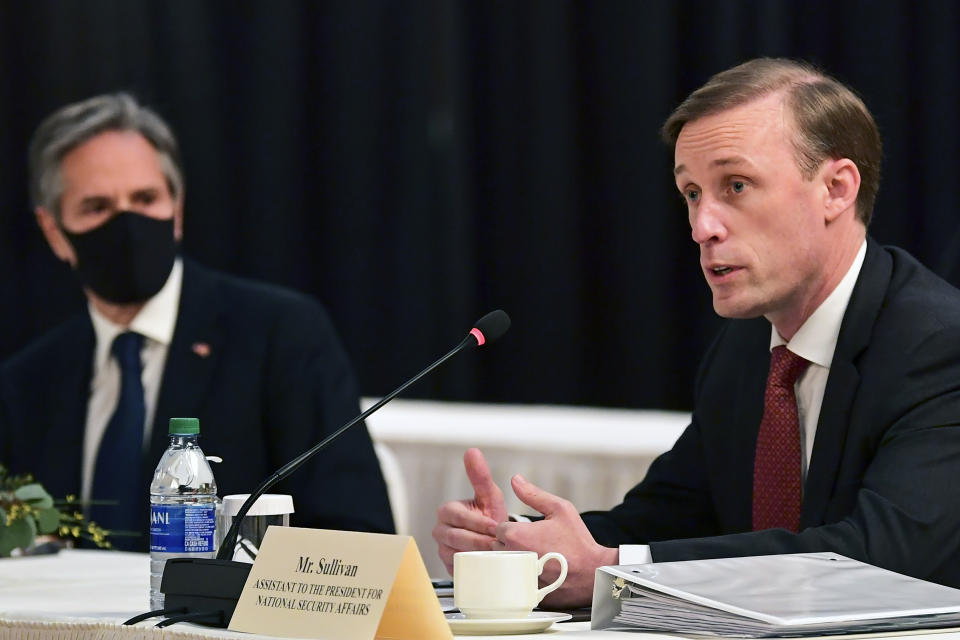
501	584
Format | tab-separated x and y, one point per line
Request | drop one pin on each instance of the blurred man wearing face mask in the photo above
261	367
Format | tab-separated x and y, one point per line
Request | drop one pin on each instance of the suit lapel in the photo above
843	381
192	357
749	412
64	440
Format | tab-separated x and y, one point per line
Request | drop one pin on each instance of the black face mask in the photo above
127	259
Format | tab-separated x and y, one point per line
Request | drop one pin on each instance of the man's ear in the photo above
58	242
178	219
842	180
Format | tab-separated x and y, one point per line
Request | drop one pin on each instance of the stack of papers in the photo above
762	596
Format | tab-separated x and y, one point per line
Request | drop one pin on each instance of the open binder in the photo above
799	594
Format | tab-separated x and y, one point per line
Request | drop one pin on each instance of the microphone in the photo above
205	590
486	329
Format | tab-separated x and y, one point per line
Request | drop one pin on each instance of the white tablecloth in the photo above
590	456
77	595
80	595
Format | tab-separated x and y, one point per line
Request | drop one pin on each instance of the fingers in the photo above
533	496
461	528
451	541
461	514
541	537
512	536
461	539
446	556
469	525
487	494
477	469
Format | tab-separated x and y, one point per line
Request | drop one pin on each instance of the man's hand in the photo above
563	530
470	525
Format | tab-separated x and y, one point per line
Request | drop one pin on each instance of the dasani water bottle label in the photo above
182	528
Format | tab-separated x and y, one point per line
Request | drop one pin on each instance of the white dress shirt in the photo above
815	340
155	322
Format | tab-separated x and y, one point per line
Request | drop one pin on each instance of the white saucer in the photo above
536	622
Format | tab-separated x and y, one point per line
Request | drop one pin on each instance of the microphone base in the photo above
204	586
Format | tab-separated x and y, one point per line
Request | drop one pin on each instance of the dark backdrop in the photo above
415	163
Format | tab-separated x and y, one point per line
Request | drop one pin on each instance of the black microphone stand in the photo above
230	540
205	590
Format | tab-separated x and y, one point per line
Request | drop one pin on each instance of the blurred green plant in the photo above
27	510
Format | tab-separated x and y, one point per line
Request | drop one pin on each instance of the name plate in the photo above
315	583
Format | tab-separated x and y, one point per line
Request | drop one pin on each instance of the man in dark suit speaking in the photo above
85	408
827	411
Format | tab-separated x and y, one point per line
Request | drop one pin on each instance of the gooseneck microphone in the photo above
206	591
487	329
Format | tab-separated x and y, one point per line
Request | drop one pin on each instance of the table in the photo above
590	456
79	595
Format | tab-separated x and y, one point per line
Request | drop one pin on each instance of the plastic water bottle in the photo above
183	497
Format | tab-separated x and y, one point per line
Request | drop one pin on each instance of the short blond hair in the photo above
831	121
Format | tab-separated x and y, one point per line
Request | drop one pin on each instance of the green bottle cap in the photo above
184	426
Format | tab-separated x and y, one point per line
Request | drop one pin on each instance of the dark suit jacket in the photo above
276	382
883	484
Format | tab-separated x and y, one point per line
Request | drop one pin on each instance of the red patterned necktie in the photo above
777	487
